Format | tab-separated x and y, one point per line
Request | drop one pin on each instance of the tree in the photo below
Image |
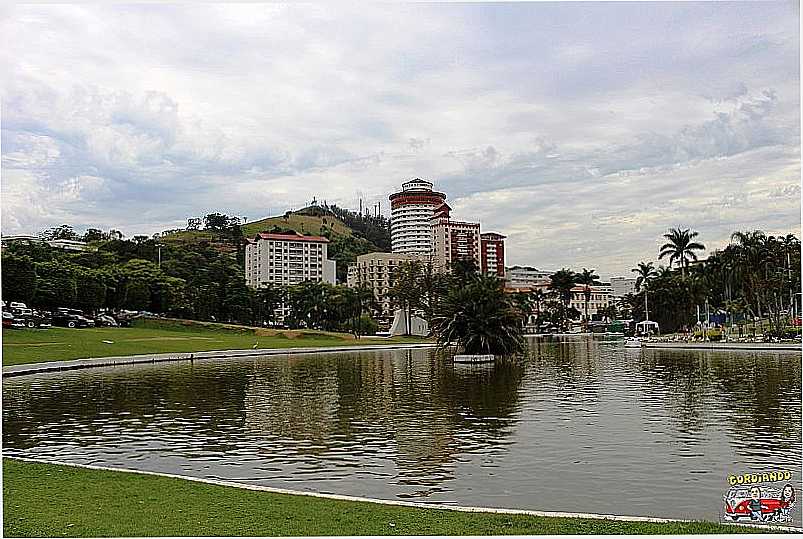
90	290
464	269
63	232
432	286
587	278
138	296
219	222
680	248
19	278
609	312
645	272
94	234
561	284
56	285
266	301
481	318
403	290
538	297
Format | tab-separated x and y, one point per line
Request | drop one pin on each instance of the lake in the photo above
580	424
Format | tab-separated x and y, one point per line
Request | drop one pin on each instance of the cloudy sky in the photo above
581	131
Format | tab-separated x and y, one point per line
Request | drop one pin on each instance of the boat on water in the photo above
474	358
633	342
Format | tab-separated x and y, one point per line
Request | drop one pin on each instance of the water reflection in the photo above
552	431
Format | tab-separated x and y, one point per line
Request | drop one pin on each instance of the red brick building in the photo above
492	252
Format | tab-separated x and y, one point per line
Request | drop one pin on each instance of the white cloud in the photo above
582	131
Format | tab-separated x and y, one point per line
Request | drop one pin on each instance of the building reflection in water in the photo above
573	414
413	408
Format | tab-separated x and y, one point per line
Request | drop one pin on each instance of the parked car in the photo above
71	318
17	305
31	318
8	319
105	320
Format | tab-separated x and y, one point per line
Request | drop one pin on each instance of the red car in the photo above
737	503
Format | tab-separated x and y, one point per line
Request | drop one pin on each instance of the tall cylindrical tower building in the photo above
410	213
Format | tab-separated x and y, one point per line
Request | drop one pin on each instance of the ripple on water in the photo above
552	432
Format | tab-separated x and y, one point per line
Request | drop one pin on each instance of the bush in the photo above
788	332
367	325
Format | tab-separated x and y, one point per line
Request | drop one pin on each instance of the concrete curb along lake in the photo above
418	505
724	346
72	364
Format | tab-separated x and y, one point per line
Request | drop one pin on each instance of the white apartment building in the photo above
410	213
622	286
600	298
525	277
375	271
287	259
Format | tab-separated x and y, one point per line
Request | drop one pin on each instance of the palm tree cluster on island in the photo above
474	311
464	308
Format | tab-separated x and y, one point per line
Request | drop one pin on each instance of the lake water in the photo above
580	425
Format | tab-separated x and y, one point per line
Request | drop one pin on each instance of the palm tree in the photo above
538	298
404	289
480	317
561	283
680	247
645	273
587	278
749	251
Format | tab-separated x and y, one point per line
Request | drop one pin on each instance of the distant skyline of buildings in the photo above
421	223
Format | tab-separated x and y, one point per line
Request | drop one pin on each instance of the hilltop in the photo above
303	223
350	234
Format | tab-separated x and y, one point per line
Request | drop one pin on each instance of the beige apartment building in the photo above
374	270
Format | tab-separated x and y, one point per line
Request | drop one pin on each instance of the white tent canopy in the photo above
647	326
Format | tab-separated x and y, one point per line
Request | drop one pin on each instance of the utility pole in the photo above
646	311
159	255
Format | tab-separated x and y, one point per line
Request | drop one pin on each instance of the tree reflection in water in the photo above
417	408
574	413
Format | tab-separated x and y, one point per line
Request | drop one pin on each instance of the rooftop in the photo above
290	237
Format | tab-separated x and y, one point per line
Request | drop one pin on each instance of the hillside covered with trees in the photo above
194	273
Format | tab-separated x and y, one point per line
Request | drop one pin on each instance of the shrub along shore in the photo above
155	336
47	500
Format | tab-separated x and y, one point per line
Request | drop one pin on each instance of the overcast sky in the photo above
580	131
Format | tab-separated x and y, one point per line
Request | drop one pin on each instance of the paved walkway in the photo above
51	366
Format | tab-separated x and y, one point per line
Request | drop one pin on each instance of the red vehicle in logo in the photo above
743	503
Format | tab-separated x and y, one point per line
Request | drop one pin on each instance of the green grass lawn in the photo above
161	336
44	500
300	223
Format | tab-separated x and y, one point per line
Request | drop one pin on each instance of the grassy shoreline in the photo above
23	346
46	500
